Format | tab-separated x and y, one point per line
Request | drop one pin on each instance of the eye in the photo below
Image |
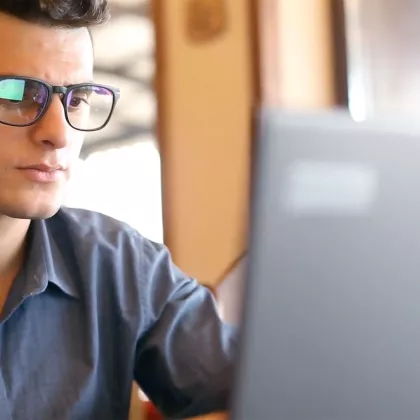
78	101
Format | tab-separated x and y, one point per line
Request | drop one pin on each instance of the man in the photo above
87	304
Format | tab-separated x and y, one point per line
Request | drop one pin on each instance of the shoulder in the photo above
91	224
98	231
111	257
119	266
103	246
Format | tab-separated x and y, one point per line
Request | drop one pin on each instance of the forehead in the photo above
58	56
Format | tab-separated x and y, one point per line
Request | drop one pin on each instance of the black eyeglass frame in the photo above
64	92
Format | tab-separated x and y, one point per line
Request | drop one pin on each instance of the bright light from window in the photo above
124	183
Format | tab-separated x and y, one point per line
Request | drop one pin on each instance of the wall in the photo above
384	59
297	53
305	51
205	96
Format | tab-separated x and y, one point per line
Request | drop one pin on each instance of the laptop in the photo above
331	327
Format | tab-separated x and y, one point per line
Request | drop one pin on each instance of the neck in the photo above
12	247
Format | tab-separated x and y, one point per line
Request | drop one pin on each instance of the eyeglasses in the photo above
87	106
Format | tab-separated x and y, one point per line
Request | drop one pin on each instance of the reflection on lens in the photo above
12	89
89	107
21	101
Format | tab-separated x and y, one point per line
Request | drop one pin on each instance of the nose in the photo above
52	131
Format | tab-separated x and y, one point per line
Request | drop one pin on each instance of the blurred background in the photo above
119	172
176	160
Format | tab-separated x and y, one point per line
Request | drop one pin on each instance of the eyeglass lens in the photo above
88	107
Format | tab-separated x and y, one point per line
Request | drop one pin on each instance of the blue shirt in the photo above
95	306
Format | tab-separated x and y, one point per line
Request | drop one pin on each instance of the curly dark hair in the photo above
58	13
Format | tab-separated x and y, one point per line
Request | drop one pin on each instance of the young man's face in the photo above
59	57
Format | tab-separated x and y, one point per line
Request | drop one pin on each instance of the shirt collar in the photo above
50	257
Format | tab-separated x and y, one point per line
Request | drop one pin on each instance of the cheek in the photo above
12	146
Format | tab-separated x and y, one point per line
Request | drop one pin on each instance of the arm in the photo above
184	363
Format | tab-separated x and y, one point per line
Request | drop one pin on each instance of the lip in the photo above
42	173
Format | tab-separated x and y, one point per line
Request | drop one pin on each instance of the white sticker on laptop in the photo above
329	188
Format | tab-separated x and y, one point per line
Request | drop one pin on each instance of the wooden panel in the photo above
207	88
297	53
206	92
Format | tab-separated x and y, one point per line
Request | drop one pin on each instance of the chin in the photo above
32	203
32	214
30	210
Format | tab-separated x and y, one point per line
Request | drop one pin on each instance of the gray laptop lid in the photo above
332	312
